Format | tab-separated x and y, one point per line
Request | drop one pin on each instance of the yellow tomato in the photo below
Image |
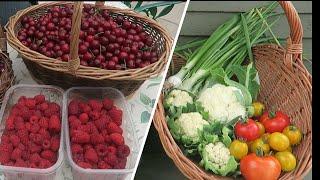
260	144
261	128
238	149
287	160
279	141
258	109
294	134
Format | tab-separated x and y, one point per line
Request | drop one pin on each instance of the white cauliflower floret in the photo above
218	153
190	123
222	102
179	98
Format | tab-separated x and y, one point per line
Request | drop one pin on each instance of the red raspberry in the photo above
107	103
25	155
76	149
44	106
5	139
34	148
10	123
116	116
39	98
19	123
123	151
111	150
73	108
34	119
44	133
101	150
91	127
49	155
30	103
94	114
103	165
117	138
114	128
85	165
46	144
16	154
121	163
85	108
107	139
78	157
84	118
15	140
55	144
80	137
6	147
20	163
111	159
54	123
95	104
28	126
21	146
24	136
96	139
25	113
38	114
22	99
33	165
44	122
75	123
101	123
54	107
35	158
87	146
72	118
10	163
48	113
35	128
44	163
4	157
91	155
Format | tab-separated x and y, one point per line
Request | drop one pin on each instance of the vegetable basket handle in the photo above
74	61
294	42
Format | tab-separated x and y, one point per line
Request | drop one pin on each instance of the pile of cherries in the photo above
107	40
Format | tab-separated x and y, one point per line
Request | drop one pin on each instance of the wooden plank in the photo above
203	23
307	43
236	6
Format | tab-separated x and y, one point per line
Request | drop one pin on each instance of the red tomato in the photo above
247	131
253	167
274	122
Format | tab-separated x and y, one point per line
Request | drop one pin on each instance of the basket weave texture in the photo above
7	76
67	74
285	84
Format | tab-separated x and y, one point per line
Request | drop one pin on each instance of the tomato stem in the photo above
259	152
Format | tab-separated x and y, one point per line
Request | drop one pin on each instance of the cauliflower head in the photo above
189	124
179	98
222	102
216	157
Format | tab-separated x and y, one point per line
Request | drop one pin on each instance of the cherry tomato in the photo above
294	134
261	128
274	122
238	149
254	167
258	109
287	160
279	141
247	131
260	143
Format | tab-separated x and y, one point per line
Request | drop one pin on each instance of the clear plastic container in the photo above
84	93
53	94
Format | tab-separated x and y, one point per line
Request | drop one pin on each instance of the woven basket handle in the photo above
294	43
74	62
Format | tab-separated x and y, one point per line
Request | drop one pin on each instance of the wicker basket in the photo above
6	76
285	84
67	74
